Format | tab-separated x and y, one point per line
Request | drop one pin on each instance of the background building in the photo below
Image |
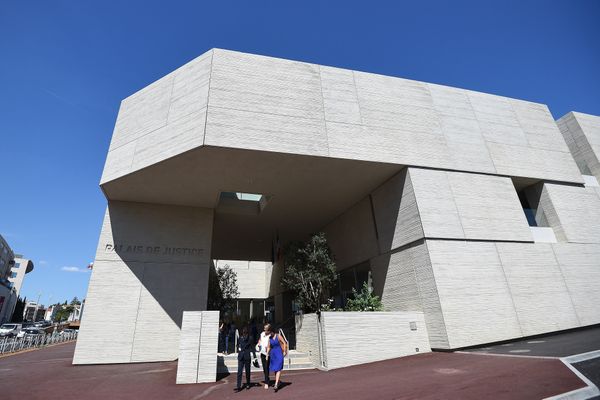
51	312
20	267
34	312
7	294
467	206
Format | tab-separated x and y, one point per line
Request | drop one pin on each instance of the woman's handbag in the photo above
255	362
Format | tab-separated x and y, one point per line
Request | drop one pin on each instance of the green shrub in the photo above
364	300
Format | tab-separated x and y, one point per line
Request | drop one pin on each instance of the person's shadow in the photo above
283	384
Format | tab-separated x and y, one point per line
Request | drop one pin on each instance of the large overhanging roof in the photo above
312	139
302	193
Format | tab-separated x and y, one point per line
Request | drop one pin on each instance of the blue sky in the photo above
66	65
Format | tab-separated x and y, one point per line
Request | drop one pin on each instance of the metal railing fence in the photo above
11	345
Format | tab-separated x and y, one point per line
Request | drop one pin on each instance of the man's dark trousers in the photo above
241	365
245	347
265	364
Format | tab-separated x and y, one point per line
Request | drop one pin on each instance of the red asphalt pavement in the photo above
48	374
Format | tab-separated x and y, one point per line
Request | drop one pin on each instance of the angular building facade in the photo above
470	207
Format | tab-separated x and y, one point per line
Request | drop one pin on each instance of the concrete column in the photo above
151	265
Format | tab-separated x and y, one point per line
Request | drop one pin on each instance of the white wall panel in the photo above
393	337
573	212
489	207
253	277
264	131
339	96
396	214
473	293
537	287
307	337
580	266
198	348
582	134
435	202
351	236
259	84
162	120
535	163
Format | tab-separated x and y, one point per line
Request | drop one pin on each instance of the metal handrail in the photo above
235	340
10	345
289	359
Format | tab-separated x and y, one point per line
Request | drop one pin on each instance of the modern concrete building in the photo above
7	293
21	267
466	206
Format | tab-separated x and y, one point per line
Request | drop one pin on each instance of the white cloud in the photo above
42	262
74	269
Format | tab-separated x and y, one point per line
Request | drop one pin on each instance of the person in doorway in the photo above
221	336
231	329
226	330
253	329
276	350
263	345
244	348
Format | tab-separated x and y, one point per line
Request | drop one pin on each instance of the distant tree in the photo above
364	300
75	301
63	312
309	272
19	309
222	289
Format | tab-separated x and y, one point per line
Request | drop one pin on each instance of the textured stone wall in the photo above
198	347
352	338
151	265
307	337
230	99
582	134
162	120
352	235
573	212
251	277
457	247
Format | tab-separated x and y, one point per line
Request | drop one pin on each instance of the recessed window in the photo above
529	195
249	196
242	203
17	265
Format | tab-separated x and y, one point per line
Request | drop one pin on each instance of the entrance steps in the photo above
294	361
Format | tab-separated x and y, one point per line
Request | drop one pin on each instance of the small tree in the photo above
364	300
222	289
75	301
63	312
309	272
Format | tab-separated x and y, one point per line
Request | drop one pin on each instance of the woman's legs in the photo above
265	364
277	376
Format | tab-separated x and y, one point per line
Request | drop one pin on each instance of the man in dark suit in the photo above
245	346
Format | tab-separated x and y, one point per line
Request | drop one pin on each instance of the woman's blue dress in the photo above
275	355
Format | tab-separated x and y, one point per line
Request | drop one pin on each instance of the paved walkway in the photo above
553	345
48	374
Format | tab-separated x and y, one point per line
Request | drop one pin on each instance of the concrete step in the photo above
294	361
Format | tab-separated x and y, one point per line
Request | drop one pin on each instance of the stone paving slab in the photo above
48	374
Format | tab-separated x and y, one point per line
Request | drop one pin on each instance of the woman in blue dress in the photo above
276	350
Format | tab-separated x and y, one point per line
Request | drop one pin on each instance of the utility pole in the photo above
37	304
